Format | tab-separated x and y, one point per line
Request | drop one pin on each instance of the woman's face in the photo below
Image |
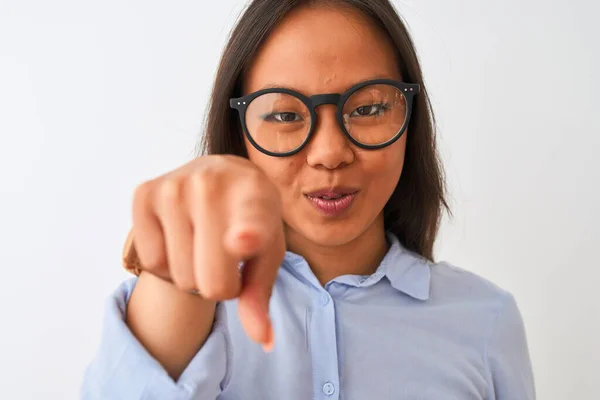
320	50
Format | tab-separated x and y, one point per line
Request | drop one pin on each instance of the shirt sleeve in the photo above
123	369
507	356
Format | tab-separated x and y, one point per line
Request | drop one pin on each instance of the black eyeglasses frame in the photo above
409	90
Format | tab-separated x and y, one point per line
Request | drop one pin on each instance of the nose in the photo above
328	148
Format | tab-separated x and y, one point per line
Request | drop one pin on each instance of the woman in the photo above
294	260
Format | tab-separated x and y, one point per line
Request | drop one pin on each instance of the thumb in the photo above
258	278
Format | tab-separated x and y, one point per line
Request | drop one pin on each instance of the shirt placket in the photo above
323	347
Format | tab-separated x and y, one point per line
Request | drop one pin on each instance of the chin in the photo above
329	234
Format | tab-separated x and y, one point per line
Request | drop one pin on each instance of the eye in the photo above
282	117
369	110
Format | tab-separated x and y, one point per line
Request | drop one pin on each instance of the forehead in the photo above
322	49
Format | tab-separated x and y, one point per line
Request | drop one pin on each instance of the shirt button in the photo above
328	388
324	299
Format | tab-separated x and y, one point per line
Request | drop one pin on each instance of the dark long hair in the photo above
414	210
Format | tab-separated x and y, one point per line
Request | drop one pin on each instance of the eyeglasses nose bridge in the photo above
330	98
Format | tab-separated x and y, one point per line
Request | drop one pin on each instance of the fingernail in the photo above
270	342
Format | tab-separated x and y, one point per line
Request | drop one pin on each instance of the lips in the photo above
332	193
332	202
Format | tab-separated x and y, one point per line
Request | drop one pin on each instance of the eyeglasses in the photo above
372	114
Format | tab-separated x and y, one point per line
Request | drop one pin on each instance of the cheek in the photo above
383	168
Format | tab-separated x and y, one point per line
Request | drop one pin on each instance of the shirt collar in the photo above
407	272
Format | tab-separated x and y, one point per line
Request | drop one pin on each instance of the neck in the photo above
360	256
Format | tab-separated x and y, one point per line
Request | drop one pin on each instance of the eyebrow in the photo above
277	86
281	86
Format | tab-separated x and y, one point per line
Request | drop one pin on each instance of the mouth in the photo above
334	201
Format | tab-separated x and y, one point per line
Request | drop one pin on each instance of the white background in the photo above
96	97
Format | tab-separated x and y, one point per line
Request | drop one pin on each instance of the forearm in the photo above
172	325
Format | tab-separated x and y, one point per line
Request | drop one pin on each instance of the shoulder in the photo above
476	307
451	283
490	314
474	302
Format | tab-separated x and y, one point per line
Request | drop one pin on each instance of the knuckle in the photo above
169	193
221	162
169	189
207	178
198	181
201	194
141	192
